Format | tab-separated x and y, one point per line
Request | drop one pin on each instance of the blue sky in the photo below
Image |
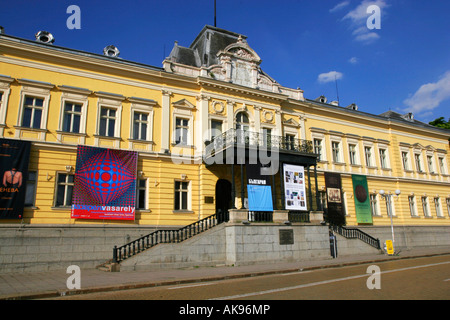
404	66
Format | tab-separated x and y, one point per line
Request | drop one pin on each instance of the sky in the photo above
396	56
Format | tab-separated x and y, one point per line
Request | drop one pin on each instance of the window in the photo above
242	122
107	122
374	204
32	112
290	142
426	211
335	151
181	131
64	189
383	158
267	137
437	206
318	148
141	194
72	117
418	162
442	165
368	156
430	164
352	153
216	128
448	205
412	206
140	125
405	160
389	201
181	195
30	194
242	127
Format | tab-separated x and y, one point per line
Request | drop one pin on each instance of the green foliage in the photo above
441	123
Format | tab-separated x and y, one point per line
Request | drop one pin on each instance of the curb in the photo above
62	293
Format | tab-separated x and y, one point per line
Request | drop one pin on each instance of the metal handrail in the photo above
239	137
165	236
354	233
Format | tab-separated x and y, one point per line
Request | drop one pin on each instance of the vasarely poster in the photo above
105	184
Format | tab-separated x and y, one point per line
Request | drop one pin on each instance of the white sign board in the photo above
294	187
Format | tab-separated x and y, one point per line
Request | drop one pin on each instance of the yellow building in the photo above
196	123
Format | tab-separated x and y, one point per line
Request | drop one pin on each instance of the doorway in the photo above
223	197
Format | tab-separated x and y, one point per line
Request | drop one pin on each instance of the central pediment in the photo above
225	56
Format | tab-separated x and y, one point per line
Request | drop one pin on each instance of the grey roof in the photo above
203	50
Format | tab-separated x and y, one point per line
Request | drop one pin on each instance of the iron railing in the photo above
166	236
243	138
353	233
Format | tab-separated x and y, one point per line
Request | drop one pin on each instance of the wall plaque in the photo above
286	236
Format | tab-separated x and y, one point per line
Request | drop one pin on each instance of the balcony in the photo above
248	140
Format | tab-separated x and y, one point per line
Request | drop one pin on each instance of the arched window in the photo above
242	122
242	127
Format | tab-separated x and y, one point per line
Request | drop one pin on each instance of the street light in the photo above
388	198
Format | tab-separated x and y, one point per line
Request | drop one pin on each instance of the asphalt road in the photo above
409	279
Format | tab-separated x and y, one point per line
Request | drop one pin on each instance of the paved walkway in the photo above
53	283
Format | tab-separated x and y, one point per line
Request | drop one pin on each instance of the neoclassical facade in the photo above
196	124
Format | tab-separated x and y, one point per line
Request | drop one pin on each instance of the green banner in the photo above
362	199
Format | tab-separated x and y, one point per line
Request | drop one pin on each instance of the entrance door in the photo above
223	198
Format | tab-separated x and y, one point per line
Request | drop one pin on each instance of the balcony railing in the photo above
249	139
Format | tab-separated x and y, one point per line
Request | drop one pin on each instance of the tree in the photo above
441	123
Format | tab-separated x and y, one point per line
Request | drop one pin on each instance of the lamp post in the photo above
388	198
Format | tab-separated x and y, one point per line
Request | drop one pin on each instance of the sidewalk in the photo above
53	283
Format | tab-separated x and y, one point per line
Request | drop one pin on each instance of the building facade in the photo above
196	123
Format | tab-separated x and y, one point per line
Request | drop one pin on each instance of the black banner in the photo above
14	159
335	202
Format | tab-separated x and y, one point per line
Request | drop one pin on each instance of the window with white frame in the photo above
447	201
425	208
389	199
374	204
35	98
216	128
267	137
352	154
336	151
412	206
318	148
72	117
181	195
405	160
181	131
64	189
430	163
368	156
437	206
384	159
108	121
33	108
418	161
5	83
442	166
140	125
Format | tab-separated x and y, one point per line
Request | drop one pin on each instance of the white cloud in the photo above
429	96
358	19
353	60
339	6
329	76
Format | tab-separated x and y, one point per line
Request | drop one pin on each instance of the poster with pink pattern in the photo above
105	184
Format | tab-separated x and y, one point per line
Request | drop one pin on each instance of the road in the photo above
408	279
